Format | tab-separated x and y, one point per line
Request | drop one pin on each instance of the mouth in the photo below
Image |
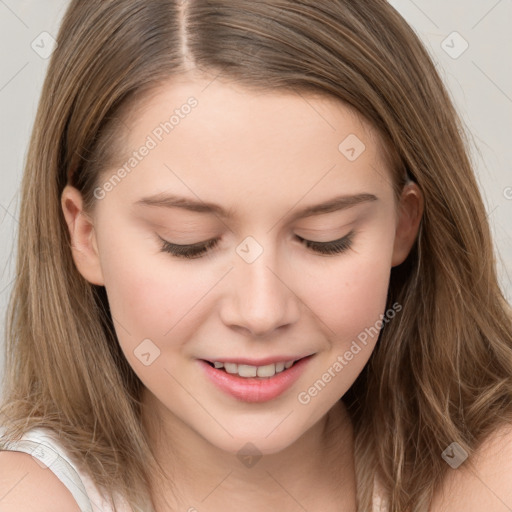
255	383
251	371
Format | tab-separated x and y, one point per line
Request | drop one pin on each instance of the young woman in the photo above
254	271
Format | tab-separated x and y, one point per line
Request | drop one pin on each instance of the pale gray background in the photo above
480	81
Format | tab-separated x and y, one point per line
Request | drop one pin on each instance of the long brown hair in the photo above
440	373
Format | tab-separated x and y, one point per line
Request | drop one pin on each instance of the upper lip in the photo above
257	362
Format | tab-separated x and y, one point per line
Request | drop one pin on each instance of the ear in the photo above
410	212
84	246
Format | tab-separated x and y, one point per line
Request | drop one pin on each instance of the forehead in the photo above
224	106
218	141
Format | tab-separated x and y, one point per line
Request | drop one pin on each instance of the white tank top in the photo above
44	445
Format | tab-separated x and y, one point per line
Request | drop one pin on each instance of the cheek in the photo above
350	294
149	297
351	301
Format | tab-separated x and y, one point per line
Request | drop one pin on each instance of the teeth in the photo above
246	370
231	367
267	371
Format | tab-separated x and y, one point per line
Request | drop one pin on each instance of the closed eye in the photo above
189	251
194	251
334	247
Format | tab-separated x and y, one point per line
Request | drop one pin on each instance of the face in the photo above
262	278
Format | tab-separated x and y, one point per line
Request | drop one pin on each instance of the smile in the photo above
254	383
247	370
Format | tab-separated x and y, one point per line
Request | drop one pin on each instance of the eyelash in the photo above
196	251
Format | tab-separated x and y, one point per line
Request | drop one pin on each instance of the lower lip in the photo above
255	389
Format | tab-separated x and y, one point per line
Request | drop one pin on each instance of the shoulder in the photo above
27	485
483	481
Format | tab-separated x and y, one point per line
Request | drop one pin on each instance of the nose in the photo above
261	298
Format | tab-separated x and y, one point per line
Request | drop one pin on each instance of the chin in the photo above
260	440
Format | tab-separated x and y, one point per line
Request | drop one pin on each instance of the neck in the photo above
318	467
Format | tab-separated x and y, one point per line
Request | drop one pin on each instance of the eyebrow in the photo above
172	201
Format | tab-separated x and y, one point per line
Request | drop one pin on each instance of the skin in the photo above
265	156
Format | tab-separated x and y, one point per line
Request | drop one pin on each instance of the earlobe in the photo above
84	246
410	212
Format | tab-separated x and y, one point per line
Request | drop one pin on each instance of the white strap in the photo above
40	448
